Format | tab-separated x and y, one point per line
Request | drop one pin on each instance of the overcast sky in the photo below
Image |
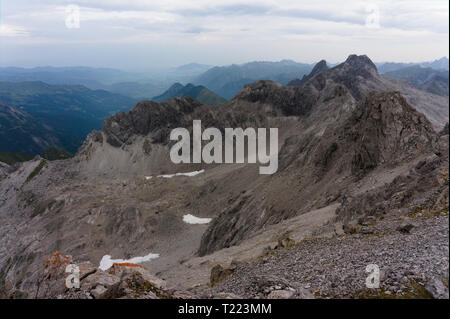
158	33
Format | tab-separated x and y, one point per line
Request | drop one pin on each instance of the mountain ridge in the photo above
200	93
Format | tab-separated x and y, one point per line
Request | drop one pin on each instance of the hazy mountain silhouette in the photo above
200	93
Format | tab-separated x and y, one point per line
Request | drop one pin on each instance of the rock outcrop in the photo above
122	280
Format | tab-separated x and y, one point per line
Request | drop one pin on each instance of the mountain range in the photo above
71	126
362	179
139	85
440	64
424	78
200	93
227	81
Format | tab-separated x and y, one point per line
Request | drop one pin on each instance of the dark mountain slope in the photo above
21	132
70	111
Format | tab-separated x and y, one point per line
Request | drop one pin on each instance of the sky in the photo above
144	34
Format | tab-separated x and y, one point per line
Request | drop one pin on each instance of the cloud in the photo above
227	30
13	31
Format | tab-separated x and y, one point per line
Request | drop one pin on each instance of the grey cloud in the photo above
197	30
227	10
323	15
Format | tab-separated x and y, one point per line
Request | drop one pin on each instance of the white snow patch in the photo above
189	174
191	219
148	177
107	262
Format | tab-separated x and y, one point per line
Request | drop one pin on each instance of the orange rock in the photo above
57	259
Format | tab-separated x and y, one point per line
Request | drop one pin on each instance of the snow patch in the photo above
107	262
191	219
148	177
189	174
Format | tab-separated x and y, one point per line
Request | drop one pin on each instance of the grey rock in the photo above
406	227
281	294
437	289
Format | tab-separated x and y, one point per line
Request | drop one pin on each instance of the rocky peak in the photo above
176	87
385	129
147	117
358	74
288	100
321	66
360	65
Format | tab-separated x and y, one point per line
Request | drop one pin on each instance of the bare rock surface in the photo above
414	265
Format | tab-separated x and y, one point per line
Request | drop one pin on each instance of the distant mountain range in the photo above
91	77
424	78
200	93
441	64
61	115
138	85
227	81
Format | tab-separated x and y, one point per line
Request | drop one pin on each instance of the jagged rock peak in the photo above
359	62
147	117
288	100
253	92
390	131
321	66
